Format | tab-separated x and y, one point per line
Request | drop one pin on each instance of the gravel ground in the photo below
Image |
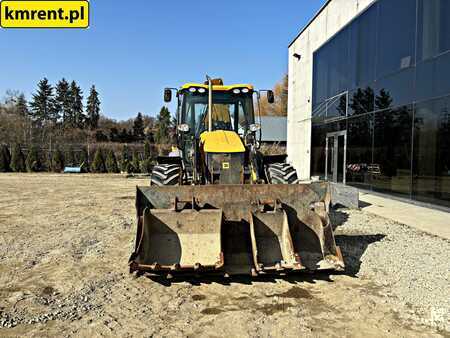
413	267
65	242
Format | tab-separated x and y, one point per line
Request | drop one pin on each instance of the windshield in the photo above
230	112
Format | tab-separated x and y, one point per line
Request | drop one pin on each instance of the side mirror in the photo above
270	96
254	127
167	95
184	128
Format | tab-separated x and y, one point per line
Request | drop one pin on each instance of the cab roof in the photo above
217	87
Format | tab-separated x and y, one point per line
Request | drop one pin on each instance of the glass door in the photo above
336	157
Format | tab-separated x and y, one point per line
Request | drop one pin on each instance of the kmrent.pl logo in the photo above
44	14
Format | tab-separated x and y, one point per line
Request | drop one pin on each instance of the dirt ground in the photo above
64	247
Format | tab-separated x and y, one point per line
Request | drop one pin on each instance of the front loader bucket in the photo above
188	239
272	245
234	229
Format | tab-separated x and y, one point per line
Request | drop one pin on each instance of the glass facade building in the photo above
384	80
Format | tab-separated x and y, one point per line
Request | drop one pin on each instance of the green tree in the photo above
62	102
93	109
163	125
111	163
33	162
17	159
138	128
42	107
57	161
22	106
5	159
76	99
98	165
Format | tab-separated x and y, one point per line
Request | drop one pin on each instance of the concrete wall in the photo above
331	20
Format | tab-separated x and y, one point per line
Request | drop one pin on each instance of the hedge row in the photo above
103	161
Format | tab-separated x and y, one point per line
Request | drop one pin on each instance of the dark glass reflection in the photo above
363	47
394	55
359	151
318	138
392	151
396	36
433	77
400	87
431	158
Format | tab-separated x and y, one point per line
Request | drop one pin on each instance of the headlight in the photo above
192	89
236	91
202	90
245	90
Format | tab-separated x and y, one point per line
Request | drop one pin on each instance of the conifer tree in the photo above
17	159
111	163
33	162
138	127
124	159
76	99
22	106
98	165
5	159
135	163
93	109
63	102
146	164
42	108
57	161
163	124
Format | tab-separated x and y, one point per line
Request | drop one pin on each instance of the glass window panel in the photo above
362	53
392	151
359	151
338	66
433	36
396	36
431	158
433	78
337	106
361	101
395	90
319	133
320	83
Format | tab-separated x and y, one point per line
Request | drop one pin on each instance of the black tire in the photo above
281	173
165	174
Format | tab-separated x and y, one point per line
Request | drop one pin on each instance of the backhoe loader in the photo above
218	205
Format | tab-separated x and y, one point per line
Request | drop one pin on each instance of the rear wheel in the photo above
282	173
166	174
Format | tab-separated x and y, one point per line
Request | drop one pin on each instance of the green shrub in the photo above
5	159
57	161
98	165
111	163
136	163
33	162
17	159
147	151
